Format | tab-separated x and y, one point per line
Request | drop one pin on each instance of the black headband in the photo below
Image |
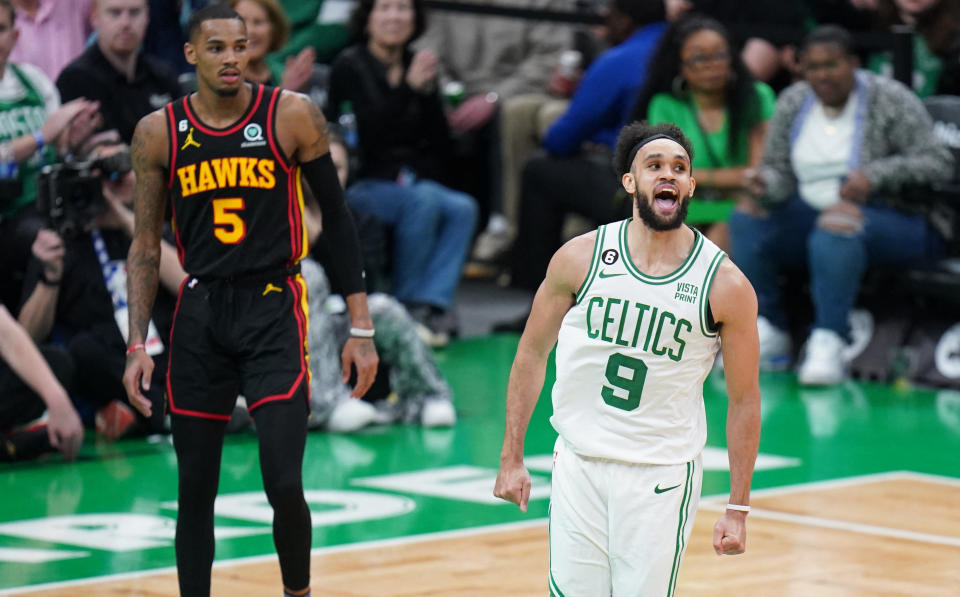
644	141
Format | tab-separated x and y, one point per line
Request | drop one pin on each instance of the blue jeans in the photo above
789	239
433	228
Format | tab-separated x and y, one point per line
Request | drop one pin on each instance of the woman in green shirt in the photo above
698	82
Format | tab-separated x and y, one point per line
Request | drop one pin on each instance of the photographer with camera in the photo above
34	129
76	282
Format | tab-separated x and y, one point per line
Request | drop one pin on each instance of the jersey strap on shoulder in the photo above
594	263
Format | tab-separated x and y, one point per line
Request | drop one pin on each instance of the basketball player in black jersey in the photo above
232	159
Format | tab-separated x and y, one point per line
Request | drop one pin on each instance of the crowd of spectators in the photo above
467	134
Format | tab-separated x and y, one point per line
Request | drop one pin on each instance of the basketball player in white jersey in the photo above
638	310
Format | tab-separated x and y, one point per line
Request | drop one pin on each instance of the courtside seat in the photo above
941	280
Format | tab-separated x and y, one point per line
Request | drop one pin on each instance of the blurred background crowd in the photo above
473	139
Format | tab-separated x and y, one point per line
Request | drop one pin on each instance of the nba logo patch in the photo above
182	126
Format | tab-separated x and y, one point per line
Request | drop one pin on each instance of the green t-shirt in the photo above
23	117
710	150
927	67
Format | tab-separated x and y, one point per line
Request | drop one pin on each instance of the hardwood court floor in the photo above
405	511
884	536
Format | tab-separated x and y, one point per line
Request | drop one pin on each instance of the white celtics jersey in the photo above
632	356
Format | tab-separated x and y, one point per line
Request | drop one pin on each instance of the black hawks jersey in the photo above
237	202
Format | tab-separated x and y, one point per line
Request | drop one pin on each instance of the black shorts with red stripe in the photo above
240	336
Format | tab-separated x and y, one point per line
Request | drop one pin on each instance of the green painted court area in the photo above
114	510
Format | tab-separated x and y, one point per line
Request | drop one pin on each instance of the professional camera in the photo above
70	194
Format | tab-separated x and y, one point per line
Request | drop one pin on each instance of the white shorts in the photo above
619	529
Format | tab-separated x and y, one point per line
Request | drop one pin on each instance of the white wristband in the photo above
362	332
738	507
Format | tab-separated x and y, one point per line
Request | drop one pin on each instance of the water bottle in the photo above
348	121
454	93
568	72
569	64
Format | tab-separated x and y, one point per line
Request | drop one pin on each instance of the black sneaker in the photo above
25	444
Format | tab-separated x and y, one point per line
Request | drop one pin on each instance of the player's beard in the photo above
655	222
226	92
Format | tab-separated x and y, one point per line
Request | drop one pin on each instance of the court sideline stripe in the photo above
841	525
331	549
710	502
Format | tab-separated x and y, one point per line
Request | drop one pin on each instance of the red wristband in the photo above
134	348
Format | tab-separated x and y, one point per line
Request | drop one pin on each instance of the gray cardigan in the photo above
898	149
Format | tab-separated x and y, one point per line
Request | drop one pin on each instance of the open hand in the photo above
422	72
81	128
58	120
298	69
362	354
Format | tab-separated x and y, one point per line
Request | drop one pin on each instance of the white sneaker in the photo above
432	338
438	413
774	346
350	415
494	241
823	364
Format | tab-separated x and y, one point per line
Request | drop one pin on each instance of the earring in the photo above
679	86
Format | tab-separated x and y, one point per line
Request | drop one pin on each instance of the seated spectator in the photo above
28	388
577	175
76	287
699	84
936	43
767	31
115	72
419	392
404	141
40	22
269	31
505	67
374	235
843	147
34	130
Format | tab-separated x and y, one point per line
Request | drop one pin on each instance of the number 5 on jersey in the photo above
228	226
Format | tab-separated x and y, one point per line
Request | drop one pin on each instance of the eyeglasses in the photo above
701	60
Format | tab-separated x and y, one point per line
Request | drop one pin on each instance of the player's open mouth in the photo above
230	76
666	195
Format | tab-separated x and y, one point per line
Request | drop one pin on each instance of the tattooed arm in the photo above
301	124
148	153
